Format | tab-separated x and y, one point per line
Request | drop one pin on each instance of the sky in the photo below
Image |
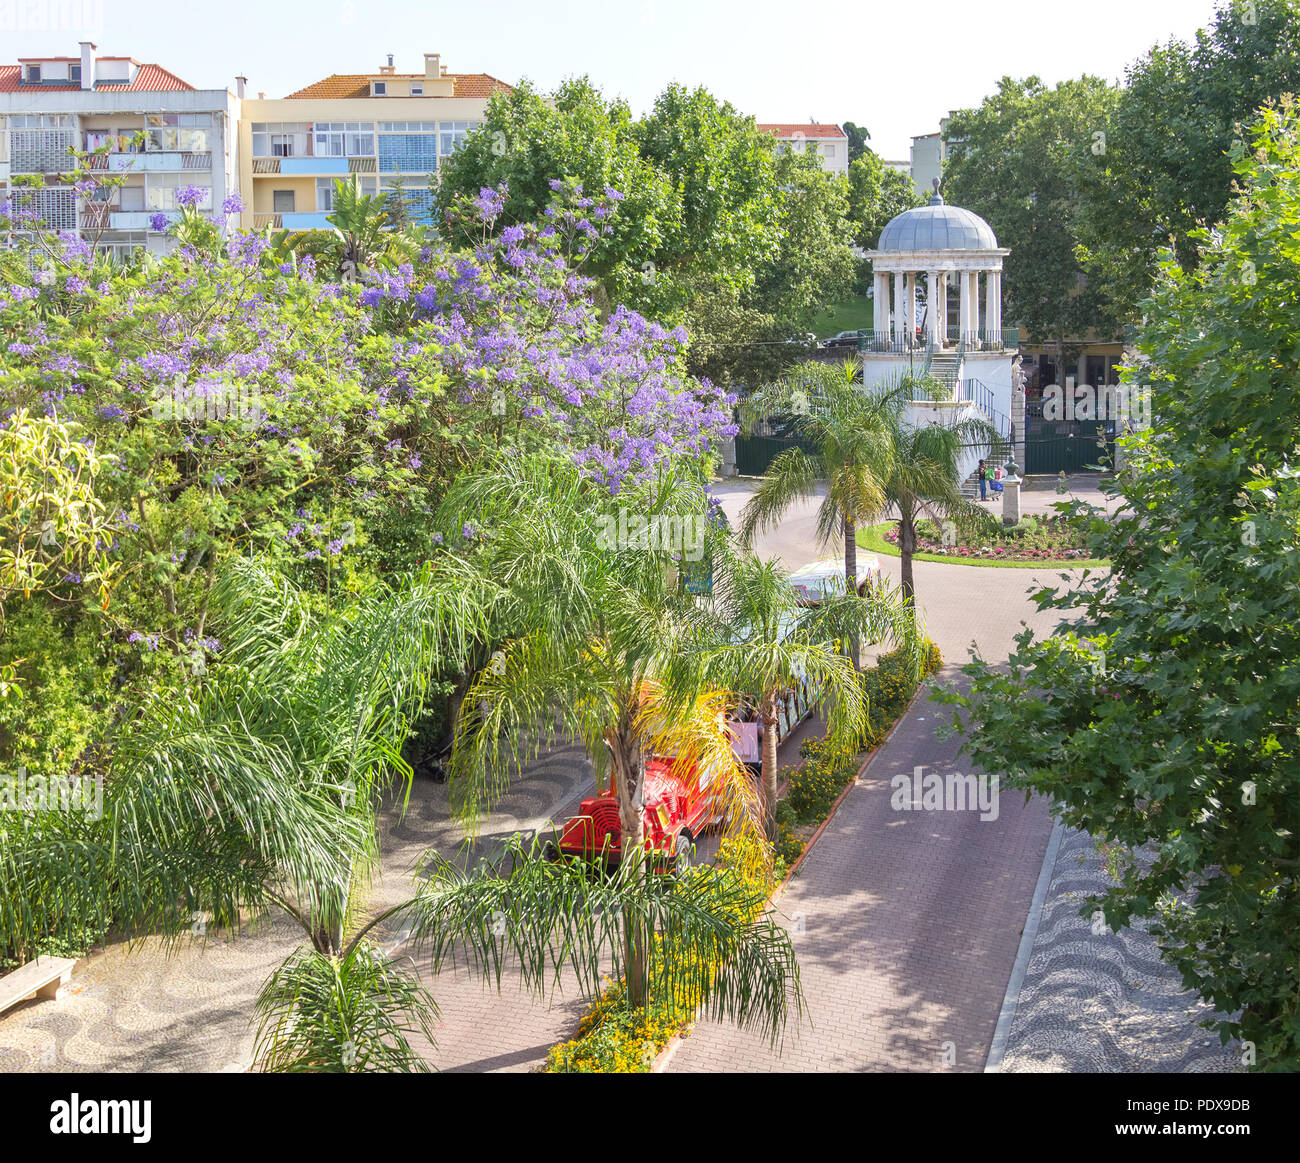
896	68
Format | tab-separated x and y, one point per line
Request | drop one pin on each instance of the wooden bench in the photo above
43	977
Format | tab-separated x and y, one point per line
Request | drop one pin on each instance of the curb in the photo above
1011	999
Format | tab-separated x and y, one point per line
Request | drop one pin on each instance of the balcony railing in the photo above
262	221
981	395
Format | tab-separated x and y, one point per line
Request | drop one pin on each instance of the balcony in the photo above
304	220
134	163
135	219
262	221
313	165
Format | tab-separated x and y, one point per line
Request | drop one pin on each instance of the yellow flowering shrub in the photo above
614	1039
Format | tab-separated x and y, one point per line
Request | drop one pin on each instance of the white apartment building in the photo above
160	131
828	143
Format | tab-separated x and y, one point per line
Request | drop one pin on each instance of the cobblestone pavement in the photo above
1103	1002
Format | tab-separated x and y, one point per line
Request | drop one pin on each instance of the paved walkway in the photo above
907	923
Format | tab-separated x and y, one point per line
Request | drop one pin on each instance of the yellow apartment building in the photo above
386	127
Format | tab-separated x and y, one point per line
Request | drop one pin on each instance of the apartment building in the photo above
161	132
390	129
828	143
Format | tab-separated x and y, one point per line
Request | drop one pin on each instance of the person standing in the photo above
984	481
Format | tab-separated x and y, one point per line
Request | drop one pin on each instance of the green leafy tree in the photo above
1013	160
596	622
858	138
1161	715
1164	169
877	193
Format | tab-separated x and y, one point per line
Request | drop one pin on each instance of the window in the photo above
33	74
282	201
344	139
378	88
417	88
160	191
131	198
408	147
280	139
74	74
325	191
830	150
179	131
452	134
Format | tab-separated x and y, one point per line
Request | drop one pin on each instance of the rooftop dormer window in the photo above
417	88
379	88
33	76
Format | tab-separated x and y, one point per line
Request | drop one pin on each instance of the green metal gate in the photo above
755	453
1053	446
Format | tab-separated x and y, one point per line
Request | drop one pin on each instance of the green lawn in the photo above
873	540
850	315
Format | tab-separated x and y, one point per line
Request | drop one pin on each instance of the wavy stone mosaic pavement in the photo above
191	1009
1103	1003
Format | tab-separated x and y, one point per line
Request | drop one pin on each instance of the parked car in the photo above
843	339
678	807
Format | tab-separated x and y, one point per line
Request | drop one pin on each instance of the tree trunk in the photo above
906	547
768	717
627	774
851	581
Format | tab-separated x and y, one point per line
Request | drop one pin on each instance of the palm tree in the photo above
765	642
361	225
257	789
921	468
867	453
597	620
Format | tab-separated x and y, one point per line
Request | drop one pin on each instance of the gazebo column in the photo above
963	311
880	304
993	304
943	307
909	307
898	307
974	277
934	313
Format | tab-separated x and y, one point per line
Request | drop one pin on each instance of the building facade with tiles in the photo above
159	131
392	130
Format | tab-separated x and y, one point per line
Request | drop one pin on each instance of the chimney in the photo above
431	69
261	96
240	82
87	65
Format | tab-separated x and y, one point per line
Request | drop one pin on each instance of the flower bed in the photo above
1034	539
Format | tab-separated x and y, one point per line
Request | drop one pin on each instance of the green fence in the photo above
755	453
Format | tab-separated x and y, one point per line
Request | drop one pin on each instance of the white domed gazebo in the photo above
942	244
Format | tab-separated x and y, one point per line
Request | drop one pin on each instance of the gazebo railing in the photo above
888	341
1005	339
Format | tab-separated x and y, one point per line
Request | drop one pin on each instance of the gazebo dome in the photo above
937	227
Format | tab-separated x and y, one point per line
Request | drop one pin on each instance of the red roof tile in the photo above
148	79
345	86
806	130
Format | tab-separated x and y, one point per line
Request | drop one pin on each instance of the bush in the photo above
889	686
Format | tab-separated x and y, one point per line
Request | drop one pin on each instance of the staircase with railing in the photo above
999	450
